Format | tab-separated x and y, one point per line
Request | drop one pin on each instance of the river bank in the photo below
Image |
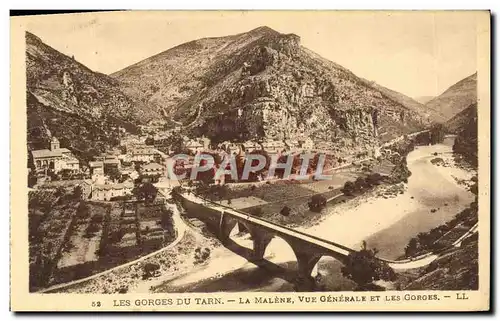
386	223
431	198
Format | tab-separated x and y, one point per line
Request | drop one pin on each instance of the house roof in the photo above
385	168
107	187
143	151
193	143
96	164
41	153
111	161
152	166
129	213
129	237
49	153
72	161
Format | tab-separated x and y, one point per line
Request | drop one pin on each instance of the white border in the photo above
190	4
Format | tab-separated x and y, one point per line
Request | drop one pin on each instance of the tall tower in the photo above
54	143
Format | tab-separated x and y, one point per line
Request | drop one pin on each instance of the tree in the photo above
348	188
437	133
373	179
53	176
317	203
32	179
65	174
146	192
60	191
82	210
150	141
150	269
77	192
113	173
474	188
257	212
360	183
412	248
285	211
400	173
166	218
363	268
92	229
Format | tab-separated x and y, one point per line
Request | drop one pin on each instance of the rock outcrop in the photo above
263	85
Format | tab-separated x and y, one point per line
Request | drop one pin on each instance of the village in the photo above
113	174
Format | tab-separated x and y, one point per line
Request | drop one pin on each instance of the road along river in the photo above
387	224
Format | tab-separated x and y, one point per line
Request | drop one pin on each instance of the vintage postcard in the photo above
250	161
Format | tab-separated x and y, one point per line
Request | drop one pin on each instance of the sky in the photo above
415	53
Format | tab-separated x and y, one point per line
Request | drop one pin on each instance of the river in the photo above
386	224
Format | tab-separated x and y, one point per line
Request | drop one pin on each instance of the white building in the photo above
152	169
195	146
307	143
142	154
55	158
104	192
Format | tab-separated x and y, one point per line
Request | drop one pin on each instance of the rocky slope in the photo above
264	84
67	100
462	120
457	270
464	124
423	99
429	115
456	98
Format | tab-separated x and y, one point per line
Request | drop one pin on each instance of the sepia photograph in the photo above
248	160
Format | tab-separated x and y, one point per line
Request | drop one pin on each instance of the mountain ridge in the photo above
456	98
254	81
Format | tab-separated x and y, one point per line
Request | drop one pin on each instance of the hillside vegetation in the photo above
67	100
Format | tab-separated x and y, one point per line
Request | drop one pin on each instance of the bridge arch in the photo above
279	251
327	264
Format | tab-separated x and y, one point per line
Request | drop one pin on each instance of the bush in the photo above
438	246
257	212
360	183
412	248
285	211
150	269
92	229
437	161
363	268
121	198
317	203
200	255
374	179
82	211
123	289
348	188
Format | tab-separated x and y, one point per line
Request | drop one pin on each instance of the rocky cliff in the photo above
457	270
264	85
429	115
464	124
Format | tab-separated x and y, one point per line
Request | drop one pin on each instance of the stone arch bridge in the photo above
308	249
